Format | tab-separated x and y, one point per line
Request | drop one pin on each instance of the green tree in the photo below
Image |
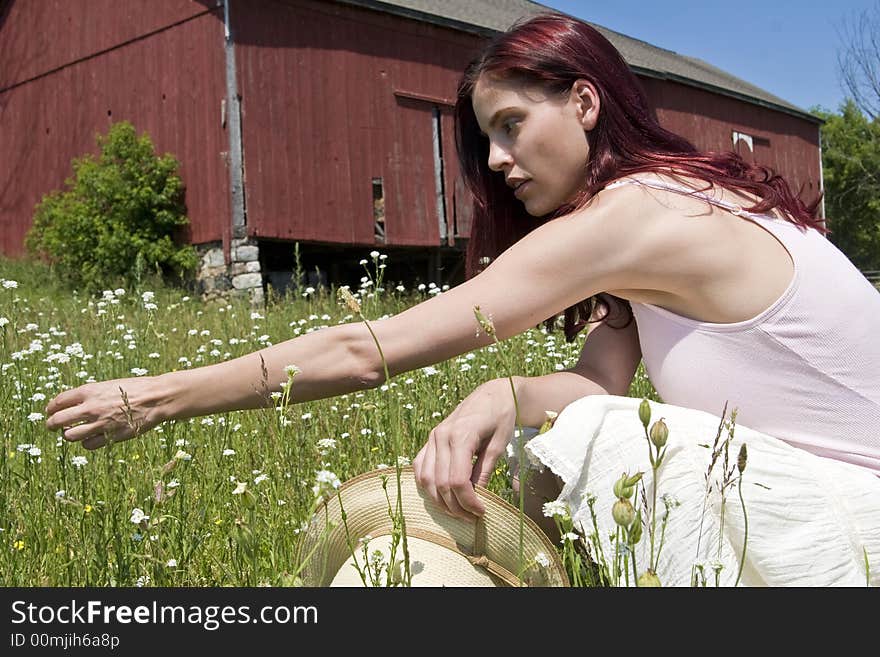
851	167
116	217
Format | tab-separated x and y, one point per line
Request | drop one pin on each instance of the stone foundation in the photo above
242	277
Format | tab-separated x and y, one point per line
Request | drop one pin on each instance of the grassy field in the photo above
218	500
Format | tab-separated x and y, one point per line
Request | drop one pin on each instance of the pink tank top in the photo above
806	370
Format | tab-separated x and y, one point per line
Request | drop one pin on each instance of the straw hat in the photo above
443	551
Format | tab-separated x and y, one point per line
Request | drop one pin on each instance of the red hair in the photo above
552	51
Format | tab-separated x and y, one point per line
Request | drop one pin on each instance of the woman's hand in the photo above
481	426
97	413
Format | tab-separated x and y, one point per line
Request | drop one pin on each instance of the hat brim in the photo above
443	550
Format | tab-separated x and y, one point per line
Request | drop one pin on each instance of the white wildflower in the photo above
182	456
326	444
138	371
325	482
228	452
542	560
35	417
9	285
240	488
555	508
171	563
261	478
138	516
79	461
60	494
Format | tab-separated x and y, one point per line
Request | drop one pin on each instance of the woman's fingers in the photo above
78	432
488	457
460	479
94	442
425	475
69	417
453	468
65	399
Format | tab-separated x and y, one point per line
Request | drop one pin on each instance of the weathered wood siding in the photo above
333	97
68	68
786	143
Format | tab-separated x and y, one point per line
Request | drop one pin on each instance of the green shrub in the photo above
116	217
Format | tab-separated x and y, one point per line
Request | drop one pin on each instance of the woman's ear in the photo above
586	100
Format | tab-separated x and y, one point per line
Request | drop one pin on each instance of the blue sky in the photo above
787	47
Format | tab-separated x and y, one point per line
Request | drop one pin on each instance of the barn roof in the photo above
492	16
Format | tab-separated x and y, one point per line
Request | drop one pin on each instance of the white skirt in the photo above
812	521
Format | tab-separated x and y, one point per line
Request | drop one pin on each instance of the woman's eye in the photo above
510	126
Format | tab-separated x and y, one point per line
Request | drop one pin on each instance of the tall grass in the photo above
218	500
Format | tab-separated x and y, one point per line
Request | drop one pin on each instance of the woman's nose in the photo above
498	157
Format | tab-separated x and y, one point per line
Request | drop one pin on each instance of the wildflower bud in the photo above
632	481
484	322
349	300
623	512
742	458
249	499
244	535
635	534
659	433
621	490
645	413
649	579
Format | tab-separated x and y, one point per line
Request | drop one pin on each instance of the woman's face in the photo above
537	141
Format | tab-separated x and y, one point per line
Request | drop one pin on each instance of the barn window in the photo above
378	211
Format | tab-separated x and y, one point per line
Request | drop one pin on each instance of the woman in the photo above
599	213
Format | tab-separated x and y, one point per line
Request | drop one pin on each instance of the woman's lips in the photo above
521	187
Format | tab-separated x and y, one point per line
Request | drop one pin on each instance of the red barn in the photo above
321	122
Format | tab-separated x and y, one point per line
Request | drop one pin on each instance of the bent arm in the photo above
606	366
482	425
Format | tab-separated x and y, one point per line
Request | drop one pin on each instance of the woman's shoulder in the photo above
677	191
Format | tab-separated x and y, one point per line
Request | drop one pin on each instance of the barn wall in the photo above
786	143
71	67
334	96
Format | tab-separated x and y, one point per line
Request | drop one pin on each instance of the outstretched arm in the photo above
555	266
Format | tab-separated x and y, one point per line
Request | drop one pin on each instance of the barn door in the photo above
423	196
